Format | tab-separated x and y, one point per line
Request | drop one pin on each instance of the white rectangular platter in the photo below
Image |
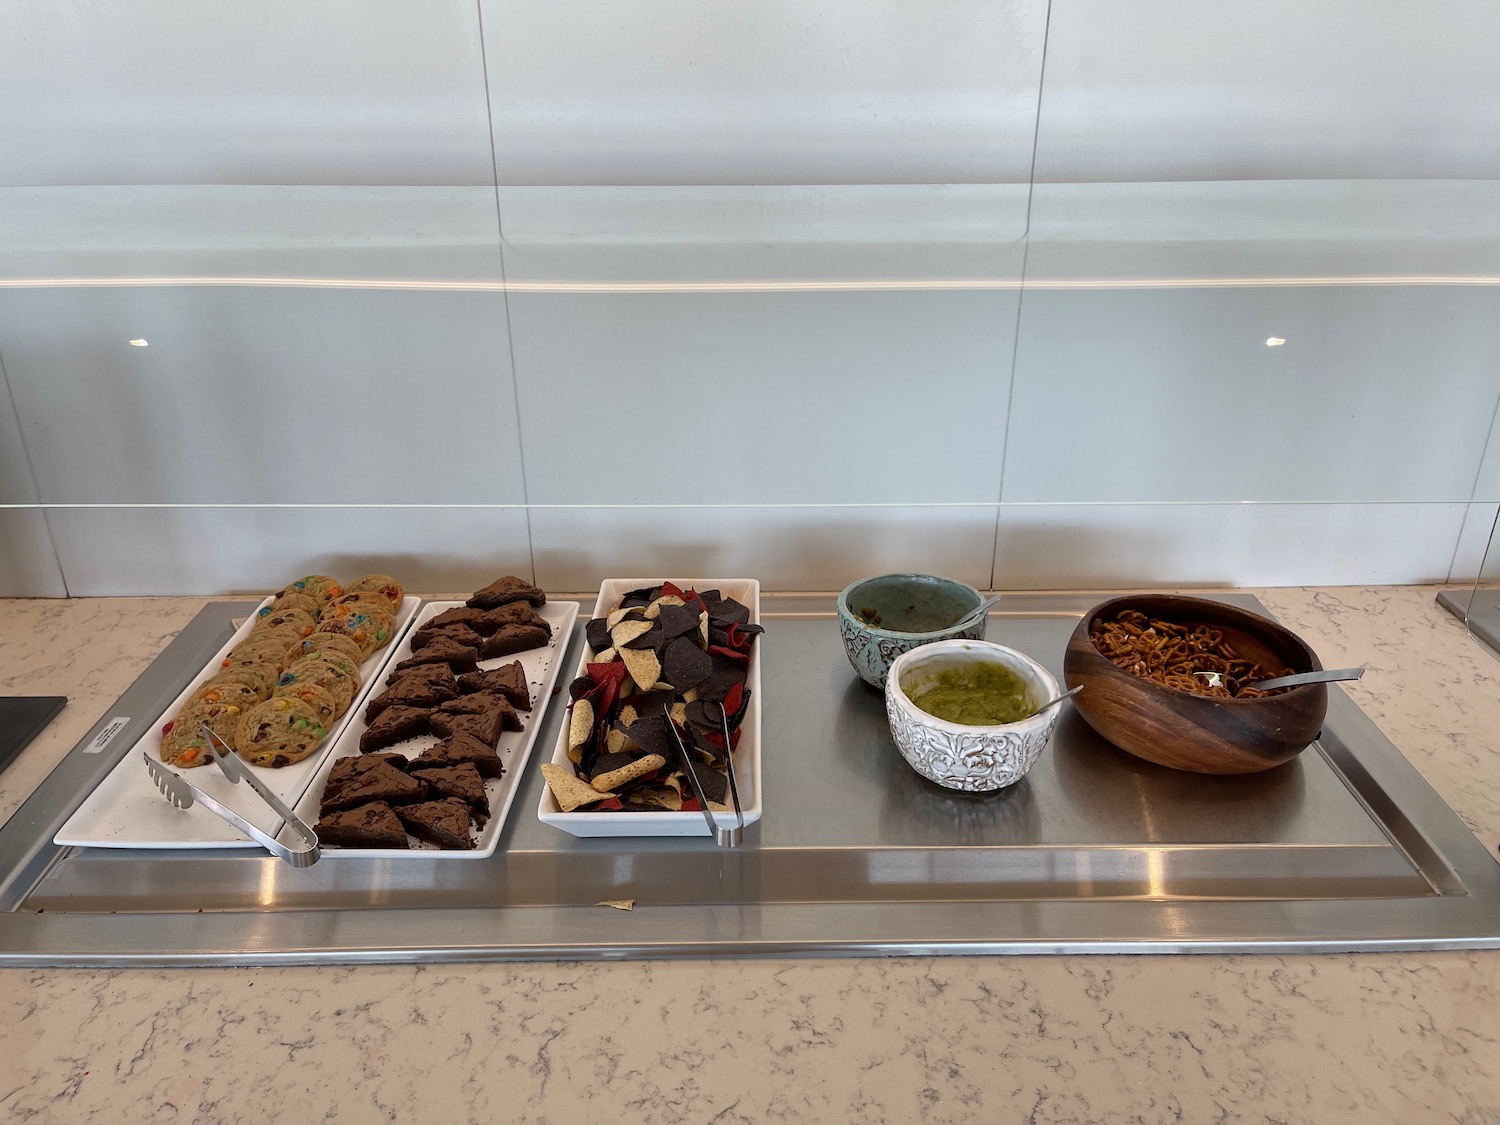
541	666
746	591
127	811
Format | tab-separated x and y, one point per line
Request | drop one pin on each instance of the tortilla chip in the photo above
627	631
642	665
571	793
606	656
580	726
618	903
623	776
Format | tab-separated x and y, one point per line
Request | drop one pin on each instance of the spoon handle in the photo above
1051	703
976	613
1324	677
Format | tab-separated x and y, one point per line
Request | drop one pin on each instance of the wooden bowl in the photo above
1194	732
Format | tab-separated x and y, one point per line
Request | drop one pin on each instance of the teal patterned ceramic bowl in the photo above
882	617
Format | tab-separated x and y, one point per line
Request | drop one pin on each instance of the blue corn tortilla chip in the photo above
728	612
650	733
685	665
653	639
596	632
677	621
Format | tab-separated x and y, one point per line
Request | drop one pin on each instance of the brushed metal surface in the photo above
1345	847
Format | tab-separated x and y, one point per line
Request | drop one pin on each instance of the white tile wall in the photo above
263	395
1379	394
1093	546
28	565
786	548
1473	542
782	398
113	551
1166	90
776	92
275	92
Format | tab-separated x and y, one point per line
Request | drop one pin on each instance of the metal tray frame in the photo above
1408	876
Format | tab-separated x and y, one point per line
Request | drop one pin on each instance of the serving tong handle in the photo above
184	794
724	837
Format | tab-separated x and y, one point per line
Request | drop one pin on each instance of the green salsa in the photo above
978	695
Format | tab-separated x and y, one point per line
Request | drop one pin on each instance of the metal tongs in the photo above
182	793
724	837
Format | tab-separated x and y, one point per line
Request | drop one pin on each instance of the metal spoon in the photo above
1051	703
1328	675
976	613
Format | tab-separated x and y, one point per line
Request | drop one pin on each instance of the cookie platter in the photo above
540	667
126	811
583	822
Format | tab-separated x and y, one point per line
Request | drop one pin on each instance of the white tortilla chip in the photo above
642	665
625	774
627	631
571	792
580	727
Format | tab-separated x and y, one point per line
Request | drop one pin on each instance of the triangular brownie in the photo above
380	783
508	680
516	613
369	826
510	639
482	704
393	725
462	747
441	650
460	633
461	781
347	770
445	823
426	686
487	726
507	589
459	615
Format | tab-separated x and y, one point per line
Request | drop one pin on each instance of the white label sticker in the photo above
111	728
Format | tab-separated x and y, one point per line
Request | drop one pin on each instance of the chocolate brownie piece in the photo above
461	747
516	613
441	650
393	725
369	826
482	704
426	686
507	589
461	781
379	783
459	615
347	770
444	823
510	639
508	680
460	633
487	726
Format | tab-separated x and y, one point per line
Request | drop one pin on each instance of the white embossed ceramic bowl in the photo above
975	759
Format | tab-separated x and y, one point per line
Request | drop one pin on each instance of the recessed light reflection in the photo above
139	343
1274	341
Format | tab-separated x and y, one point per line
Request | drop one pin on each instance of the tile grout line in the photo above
510	339
1015	339
36	489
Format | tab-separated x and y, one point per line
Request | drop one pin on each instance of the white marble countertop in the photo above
1401	1038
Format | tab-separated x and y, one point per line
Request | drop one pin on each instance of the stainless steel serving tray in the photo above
1345	848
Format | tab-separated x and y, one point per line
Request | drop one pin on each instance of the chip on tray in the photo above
663	655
